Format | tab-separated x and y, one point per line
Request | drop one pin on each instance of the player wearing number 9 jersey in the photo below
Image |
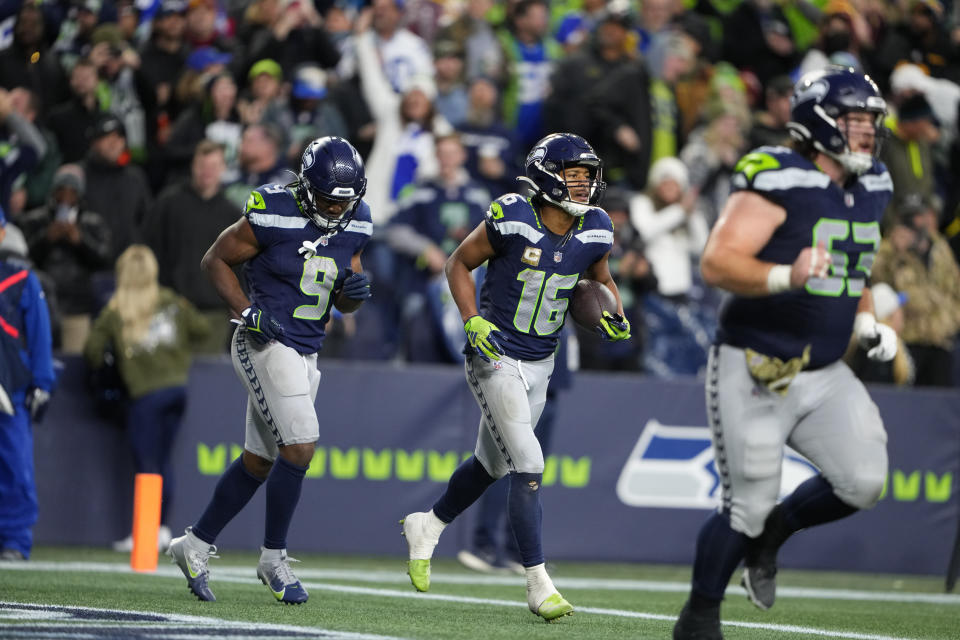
794	245
300	245
536	249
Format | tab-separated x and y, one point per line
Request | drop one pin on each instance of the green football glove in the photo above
613	327
484	337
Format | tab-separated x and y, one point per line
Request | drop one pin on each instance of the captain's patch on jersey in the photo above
531	255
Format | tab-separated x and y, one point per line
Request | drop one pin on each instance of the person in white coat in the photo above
403	150
673	232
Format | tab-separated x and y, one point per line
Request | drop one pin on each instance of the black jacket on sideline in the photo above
180	228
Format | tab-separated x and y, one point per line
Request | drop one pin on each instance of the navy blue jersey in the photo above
530	279
846	220
298	290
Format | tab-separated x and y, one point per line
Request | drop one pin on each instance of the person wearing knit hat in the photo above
670	232
69	243
116	188
670	169
70	176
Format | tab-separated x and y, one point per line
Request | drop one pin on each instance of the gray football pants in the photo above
511	395
281	388
826	415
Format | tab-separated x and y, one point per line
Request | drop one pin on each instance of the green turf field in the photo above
364	597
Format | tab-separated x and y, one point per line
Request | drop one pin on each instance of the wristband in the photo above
778	278
865	325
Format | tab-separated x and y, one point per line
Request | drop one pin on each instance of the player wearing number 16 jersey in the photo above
300	245
536	249
794	245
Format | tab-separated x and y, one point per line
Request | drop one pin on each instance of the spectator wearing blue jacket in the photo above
432	221
26	380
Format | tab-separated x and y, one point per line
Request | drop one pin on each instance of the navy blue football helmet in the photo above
331	172
820	98
545	165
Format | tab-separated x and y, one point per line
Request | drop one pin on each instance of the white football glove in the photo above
879	340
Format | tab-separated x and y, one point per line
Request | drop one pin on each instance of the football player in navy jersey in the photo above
300	245
537	249
794	245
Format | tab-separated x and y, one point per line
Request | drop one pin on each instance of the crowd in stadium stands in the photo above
149	121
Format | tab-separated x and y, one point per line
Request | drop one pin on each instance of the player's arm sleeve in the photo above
36	318
604	240
362	224
255	211
772	177
883	182
493	220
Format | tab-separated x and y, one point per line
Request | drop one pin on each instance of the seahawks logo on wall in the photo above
672	467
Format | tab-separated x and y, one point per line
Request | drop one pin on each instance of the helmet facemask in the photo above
316	205
854	162
559	196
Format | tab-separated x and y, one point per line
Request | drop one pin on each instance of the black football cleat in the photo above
698	625
760	581
760	561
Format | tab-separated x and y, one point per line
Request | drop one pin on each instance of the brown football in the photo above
588	302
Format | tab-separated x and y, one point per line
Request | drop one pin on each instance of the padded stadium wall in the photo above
630	476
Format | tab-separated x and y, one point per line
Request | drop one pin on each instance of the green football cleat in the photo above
554	607
420	543
419	572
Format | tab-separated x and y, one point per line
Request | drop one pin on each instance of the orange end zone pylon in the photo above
146	521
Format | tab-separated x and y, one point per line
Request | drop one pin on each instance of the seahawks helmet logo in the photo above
308	157
815	91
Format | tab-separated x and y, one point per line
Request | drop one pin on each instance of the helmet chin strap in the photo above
331	226
854	162
577	209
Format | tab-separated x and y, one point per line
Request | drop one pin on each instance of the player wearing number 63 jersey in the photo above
300	245
536	249
794	245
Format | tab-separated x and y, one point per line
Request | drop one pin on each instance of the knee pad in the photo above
747	517
529	461
860	482
862	488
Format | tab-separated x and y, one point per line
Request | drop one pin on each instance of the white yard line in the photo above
308	576
399	577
